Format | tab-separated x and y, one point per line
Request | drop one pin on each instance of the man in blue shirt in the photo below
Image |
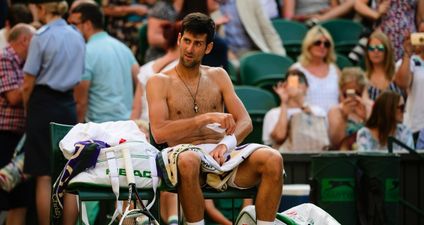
106	90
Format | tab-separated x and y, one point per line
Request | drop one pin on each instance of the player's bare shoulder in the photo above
216	74
159	81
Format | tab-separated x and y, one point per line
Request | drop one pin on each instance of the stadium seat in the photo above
345	33
342	61
255	65
232	72
292	34
268	81
257	102
143	43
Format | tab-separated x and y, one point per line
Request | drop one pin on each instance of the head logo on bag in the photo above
137	173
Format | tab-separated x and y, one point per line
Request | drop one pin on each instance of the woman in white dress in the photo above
317	63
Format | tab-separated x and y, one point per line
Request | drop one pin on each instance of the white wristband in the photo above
230	141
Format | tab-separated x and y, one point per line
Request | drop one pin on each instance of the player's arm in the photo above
234	106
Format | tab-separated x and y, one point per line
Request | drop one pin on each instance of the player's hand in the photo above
218	153
226	120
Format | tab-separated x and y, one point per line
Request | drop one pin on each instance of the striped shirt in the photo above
374	92
11	77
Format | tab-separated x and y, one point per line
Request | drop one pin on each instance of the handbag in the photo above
307	132
13	173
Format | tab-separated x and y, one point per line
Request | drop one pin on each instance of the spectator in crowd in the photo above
395	18
271	8
346	118
17	13
12	123
312	12
53	67
316	61
410	77
110	68
420	142
369	22
77	3
380	65
164	11
292	100
385	120
249	29
178	117
124	18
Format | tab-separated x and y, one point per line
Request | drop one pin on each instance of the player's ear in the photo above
179	39
209	48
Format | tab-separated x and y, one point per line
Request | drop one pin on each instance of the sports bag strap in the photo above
84	215
155	180
114	181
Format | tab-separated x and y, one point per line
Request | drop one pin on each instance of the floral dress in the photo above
124	28
366	142
398	20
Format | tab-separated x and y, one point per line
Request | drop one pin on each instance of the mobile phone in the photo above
293	81
417	38
350	93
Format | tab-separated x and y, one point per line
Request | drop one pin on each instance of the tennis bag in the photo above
304	214
110	167
110	171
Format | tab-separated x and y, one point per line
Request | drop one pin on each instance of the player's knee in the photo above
188	163
274	163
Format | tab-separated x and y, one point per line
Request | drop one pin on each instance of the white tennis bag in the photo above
110	170
304	214
110	167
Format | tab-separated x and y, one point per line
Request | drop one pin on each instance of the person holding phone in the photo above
346	118
292	92
385	120
410	76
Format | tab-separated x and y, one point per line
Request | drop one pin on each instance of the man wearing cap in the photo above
54	66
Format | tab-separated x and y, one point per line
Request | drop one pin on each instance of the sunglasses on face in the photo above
326	44
379	48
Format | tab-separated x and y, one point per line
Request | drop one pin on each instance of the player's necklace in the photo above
195	106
